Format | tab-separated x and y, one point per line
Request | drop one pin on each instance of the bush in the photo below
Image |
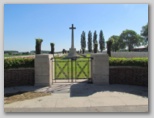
18	63
29	62
143	62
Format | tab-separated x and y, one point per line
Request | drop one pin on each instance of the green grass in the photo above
88	55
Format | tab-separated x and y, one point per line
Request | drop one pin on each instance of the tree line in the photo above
129	39
92	45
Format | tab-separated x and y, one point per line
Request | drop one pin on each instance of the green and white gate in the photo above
72	70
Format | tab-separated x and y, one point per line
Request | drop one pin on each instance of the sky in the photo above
24	23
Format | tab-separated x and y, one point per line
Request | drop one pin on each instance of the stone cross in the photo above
72	28
72	52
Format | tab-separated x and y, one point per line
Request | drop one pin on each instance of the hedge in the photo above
18	63
29	62
143	62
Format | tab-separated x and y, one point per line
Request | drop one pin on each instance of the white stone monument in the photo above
72	51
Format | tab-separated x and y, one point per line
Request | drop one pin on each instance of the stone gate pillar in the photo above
100	69
43	70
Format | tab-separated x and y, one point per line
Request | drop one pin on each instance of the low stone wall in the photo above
129	54
18	77
117	75
128	75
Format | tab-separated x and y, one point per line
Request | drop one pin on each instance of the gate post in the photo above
43	70
100	69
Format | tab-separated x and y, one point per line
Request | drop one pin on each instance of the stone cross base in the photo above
72	53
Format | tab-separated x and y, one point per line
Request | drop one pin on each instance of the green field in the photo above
7	55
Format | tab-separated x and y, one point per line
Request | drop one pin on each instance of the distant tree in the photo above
95	39
80	51
83	42
52	48
109	45
9	53
144	32
115	43
38	46
89	41
101	41
130	39
63	51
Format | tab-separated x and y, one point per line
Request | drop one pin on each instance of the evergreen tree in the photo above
101	41
38	46
83	42
52	48
95	48
94	39
109	45
144	33
89	41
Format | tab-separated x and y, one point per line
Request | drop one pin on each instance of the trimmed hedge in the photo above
18	63
29	62
142	62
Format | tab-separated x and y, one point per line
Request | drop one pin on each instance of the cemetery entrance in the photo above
72	69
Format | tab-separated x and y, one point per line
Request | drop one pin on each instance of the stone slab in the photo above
43	70
100	69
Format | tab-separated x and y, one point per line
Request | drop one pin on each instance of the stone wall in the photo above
18	77
129	75
117	75
129	54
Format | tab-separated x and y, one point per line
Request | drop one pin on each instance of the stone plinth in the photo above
100	69
72	53
43	70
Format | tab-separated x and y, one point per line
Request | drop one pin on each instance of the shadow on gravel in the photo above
81	89
86	89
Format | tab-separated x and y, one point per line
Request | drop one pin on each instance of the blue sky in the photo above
23	23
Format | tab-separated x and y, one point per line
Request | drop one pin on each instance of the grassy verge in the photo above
10	98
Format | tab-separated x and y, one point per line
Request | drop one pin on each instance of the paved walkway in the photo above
82	97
